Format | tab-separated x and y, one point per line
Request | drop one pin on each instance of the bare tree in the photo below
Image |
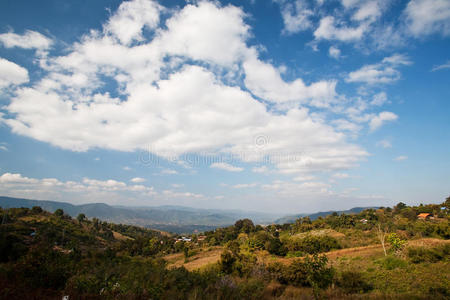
382	237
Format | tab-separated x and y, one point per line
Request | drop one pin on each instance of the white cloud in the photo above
126	168
428	16
369	10
383	117
379	99
137	180
296	16
329	31
265	81
131	17
441	67
226	167
169	172
384	144
401	158
88	190
11	74
381	73
244	185
29	40
184	90
8	178
334	52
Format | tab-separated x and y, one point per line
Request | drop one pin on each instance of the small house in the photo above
424	216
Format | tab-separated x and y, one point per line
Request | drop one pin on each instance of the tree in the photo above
447	202
59	212
382	236
400	206
226	262
396	242
245	225
81	217
36	209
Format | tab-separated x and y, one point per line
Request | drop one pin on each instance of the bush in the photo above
392	262
396	242
353	282
315	244
421	254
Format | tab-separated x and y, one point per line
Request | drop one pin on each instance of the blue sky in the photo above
276	106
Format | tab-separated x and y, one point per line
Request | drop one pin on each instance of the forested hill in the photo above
314	216
387	253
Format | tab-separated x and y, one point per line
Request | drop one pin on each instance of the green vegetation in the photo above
45	256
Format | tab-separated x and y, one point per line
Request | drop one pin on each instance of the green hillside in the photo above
388	253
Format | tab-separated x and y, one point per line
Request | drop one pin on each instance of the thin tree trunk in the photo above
382	236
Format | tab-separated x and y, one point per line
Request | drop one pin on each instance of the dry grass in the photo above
37	218
198	261
321	232
206	257
121	237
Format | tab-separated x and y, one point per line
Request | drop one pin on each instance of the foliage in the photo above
421	254
396	242
353	282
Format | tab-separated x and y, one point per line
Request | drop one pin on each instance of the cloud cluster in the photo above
11	74
29	40
364	22
383	72
86	190
191	85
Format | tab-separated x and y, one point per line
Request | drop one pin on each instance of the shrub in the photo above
315	244
421	254
226	262
353	282
396	242
392	262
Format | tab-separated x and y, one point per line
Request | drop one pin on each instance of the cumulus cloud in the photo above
296	16
334	52
87	190
193	86
131	18
29	40
381	73
379	99
11	73
137	180
265	81
329	31
427	17
226	167
378	120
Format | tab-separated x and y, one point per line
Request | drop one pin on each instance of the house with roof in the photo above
424	216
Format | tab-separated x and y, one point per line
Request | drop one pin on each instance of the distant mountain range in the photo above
177	219
314	216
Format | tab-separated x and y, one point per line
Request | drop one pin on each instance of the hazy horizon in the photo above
272	106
